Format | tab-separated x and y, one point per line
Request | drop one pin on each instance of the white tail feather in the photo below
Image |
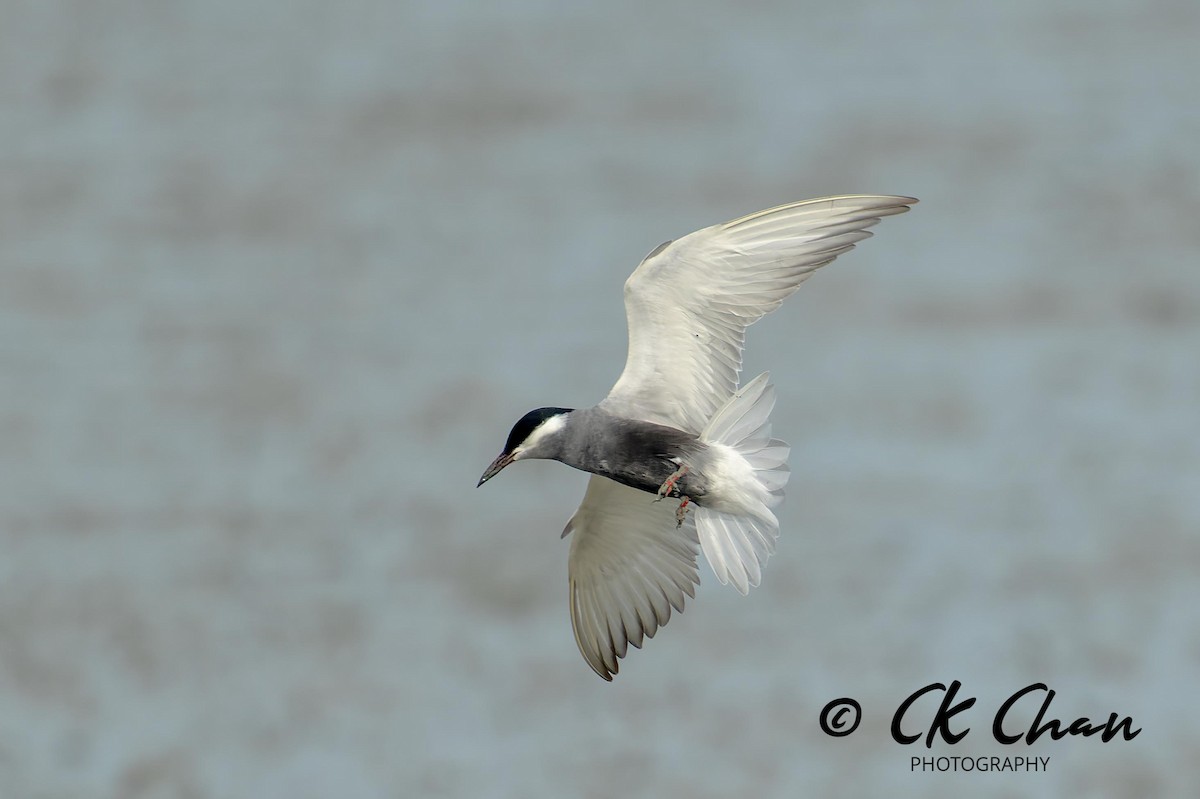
737	530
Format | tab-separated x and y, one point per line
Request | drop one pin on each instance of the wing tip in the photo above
605	660
879	204
593	656
877	199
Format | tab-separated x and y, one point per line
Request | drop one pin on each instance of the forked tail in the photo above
738	532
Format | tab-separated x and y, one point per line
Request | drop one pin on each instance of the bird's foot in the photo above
681	512
669	484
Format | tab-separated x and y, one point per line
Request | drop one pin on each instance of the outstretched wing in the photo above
690	301
629	566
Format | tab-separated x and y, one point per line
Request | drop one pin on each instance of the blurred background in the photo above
276	279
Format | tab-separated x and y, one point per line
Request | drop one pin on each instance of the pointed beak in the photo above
501	461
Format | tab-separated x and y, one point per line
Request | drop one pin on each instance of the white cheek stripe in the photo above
546	428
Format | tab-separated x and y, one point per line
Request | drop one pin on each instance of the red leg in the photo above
681	512
669	485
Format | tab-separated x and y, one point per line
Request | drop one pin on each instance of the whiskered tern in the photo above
677	425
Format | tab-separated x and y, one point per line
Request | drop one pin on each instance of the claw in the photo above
669	485
681	512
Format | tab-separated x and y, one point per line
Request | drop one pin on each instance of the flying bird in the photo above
677	426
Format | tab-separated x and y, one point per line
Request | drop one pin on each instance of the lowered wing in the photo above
629	567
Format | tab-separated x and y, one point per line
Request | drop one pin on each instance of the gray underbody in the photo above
638	454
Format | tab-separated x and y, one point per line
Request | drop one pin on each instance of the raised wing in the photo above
629	566
690	301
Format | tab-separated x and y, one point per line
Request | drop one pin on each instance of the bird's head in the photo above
535	435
